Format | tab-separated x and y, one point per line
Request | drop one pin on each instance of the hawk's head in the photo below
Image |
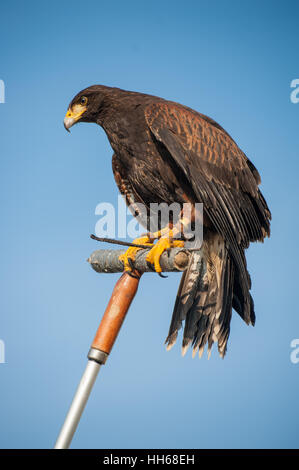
85	106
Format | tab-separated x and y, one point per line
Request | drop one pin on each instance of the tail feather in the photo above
185	296
208	291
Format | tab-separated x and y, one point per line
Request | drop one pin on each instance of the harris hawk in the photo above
165	152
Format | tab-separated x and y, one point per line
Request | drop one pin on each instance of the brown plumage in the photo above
166	152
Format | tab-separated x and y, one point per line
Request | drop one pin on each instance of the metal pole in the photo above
78	404
118	306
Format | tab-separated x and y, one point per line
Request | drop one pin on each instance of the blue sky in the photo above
233	61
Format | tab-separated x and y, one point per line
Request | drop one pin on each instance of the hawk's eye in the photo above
83	100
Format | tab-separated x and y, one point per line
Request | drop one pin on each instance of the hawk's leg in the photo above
165	241
129	256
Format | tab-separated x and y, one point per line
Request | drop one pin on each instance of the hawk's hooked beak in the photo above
73	115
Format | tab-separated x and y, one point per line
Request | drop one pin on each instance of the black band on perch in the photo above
106	261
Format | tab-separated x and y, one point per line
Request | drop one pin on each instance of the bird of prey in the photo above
165	152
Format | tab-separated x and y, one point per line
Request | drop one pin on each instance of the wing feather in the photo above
221	176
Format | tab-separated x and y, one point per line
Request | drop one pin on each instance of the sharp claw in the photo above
132	274
131	263
151	267
162	275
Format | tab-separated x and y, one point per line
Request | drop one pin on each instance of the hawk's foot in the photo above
129	256
163	244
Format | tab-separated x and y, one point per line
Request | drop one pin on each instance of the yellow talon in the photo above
155	253
130	254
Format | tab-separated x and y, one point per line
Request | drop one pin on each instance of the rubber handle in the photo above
115	313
